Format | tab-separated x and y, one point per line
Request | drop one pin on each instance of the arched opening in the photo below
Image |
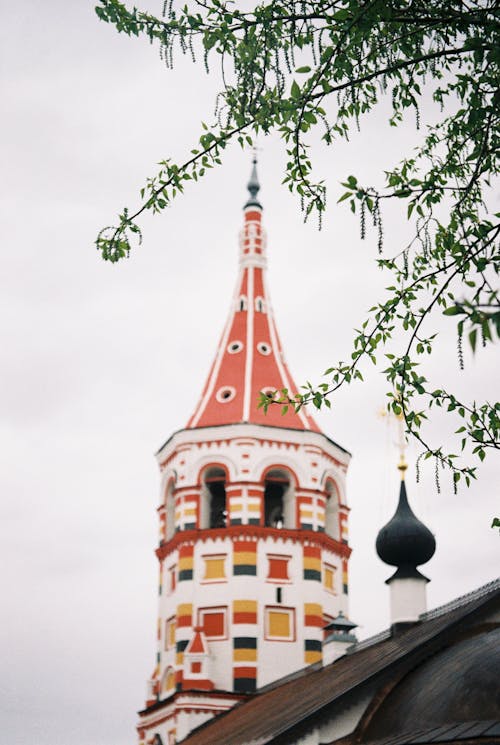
260	305
170	509
332	526
168	681
278	503
215	496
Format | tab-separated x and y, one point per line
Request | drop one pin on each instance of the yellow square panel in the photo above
214	567
279	624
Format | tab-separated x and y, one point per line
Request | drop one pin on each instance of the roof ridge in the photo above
429	615
461	600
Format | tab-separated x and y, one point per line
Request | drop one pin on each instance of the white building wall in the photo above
246	452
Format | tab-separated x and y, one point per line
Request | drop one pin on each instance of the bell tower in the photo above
253	549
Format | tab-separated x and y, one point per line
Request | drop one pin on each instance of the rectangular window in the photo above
329	577
215	568
279	623
172	578
196	667
170	633
171	737
277	570
214	622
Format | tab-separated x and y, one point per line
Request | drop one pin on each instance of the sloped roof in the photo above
277	709
469	731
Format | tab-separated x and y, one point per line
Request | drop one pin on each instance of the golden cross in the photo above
401	443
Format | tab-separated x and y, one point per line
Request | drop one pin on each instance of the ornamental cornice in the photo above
305	537
313	443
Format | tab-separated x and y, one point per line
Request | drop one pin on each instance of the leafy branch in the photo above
298	67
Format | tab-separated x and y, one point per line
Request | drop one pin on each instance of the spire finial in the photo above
402	444
253	185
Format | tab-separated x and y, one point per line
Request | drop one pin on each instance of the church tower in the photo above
253	548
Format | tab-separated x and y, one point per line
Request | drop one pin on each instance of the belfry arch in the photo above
279	507
170	507
213	501
332	525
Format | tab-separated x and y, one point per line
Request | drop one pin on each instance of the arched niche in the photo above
332	525
169	502
279	503
213	506
168	680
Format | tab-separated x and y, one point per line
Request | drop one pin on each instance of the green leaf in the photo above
473	339
295	90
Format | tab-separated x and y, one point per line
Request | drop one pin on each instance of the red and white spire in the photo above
249	357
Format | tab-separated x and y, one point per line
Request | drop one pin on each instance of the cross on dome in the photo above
249	358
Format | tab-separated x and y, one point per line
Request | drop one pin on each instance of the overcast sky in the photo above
101	363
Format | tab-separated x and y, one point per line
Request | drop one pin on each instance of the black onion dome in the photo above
253	187
405	542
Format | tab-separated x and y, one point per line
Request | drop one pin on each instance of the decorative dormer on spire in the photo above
253	545
406	543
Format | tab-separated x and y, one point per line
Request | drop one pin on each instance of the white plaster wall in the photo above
187	721
247	451
345	721
312	738
408	599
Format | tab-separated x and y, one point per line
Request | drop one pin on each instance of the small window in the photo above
260	305
234	347
215	568
213	622
242	303
280	624
196	667
277	570
329	577
170	633
172	578
264	348
225	394
271	393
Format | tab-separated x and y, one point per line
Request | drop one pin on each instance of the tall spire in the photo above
249	359
253	186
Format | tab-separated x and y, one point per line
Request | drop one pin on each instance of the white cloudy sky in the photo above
101	363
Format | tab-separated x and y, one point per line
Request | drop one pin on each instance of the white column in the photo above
408	599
